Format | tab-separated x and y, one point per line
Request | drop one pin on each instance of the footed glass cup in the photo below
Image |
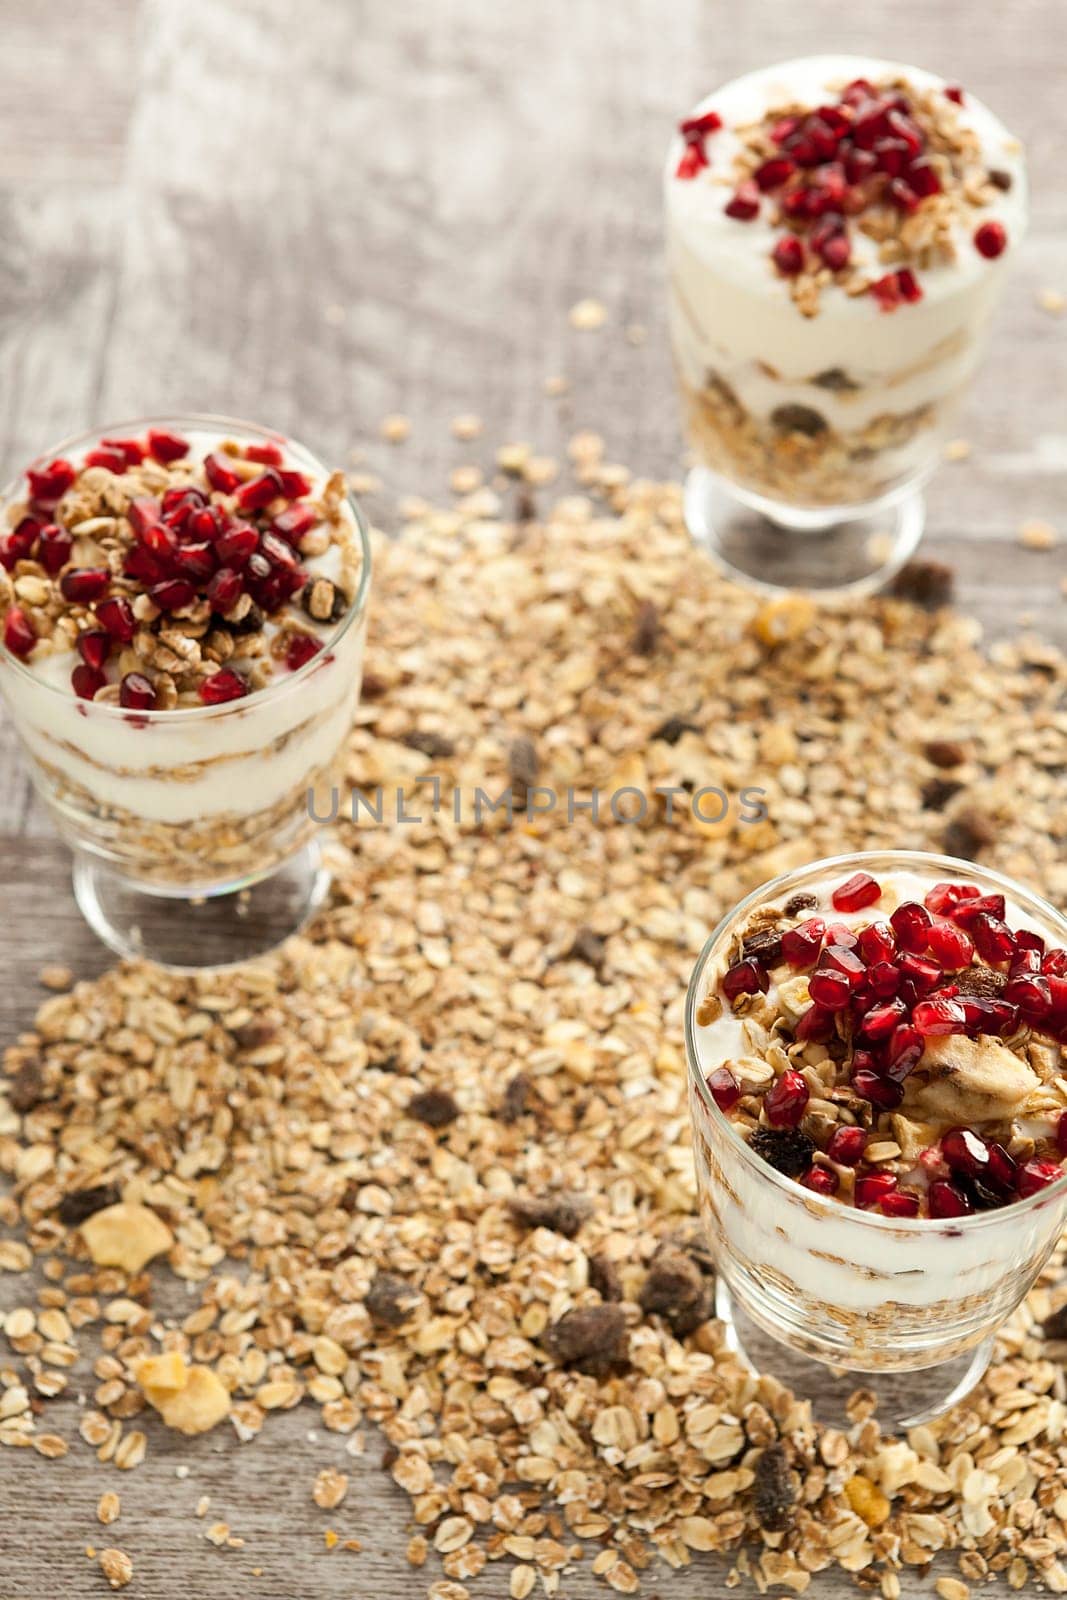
193	830
805	1283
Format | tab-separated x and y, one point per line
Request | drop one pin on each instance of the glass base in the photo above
905	1399
189	933
777	550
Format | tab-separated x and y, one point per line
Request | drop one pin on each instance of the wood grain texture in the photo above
314	215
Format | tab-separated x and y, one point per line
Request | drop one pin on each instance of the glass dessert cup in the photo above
816	403
194	829
805	1282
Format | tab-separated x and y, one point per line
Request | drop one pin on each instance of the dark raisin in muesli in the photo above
787	1150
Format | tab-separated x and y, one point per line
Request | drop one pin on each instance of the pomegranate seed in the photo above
945	1200
950	947
1054	964
139	563
990	240
225	589
745	977
954	93
773	173
815	1025
1024	962
801	945
132	450
965	1152
829	989
86	681
989	1016
892	156
725	1089
691	161
788	255
840	958
94	647
19	543
821	1180
744	204
49	484
856	892
114	461
277	551
786	1100
883	980
904	198
990	905
943	898
870	123
859	164
136	692
1035	1175
847	1145
295	521
901	1203
223	686
295	485
1002	1169
82	585
269	454
881	1092
935	1017
1031	993
19	636
911	923
923	179
178	504
116	615
903	1051
919	973
1026	939
872	1189
259	492
173	594
302	647
196	561
797	204
882	1019
706	122
887	292
836	252
992	938
221	476
877	943
166	447
204	524
784	129
54	547
236	545
143	514
908	286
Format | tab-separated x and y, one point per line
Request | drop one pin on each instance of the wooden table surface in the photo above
317	214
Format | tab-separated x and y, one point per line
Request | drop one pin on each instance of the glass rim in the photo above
200	419
791	1188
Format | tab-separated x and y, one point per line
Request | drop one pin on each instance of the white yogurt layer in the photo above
189	765
833	1252
731	312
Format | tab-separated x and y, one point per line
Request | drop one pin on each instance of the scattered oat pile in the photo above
430	1168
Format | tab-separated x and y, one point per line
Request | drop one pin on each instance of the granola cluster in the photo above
174	581
428	1172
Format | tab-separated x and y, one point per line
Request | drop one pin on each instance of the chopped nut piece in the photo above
587	315
126	1236
564	1212
590	1338
116	1567
108	1507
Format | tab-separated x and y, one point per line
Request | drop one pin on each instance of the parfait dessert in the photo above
879	1066
838	231
183	625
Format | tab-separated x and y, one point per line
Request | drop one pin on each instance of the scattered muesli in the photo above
467	1262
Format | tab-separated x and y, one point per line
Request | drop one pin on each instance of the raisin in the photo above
937	793
253	1035
673	729
925	583
646	629
787	1150
677	1290
800	902
434	745
588	947
391	1300
563	1212
798	419
764	946
435	1107
26	1089
80	1204
589	1338
980	981
523	764
837	380
774	1492
968	833
604	1278
1055	1327
1000	179
945	752
516	1099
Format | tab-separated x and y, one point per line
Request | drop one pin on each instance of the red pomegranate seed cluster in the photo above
867	150
233	544
880	989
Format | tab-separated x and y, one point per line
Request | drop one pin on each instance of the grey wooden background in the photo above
317	213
